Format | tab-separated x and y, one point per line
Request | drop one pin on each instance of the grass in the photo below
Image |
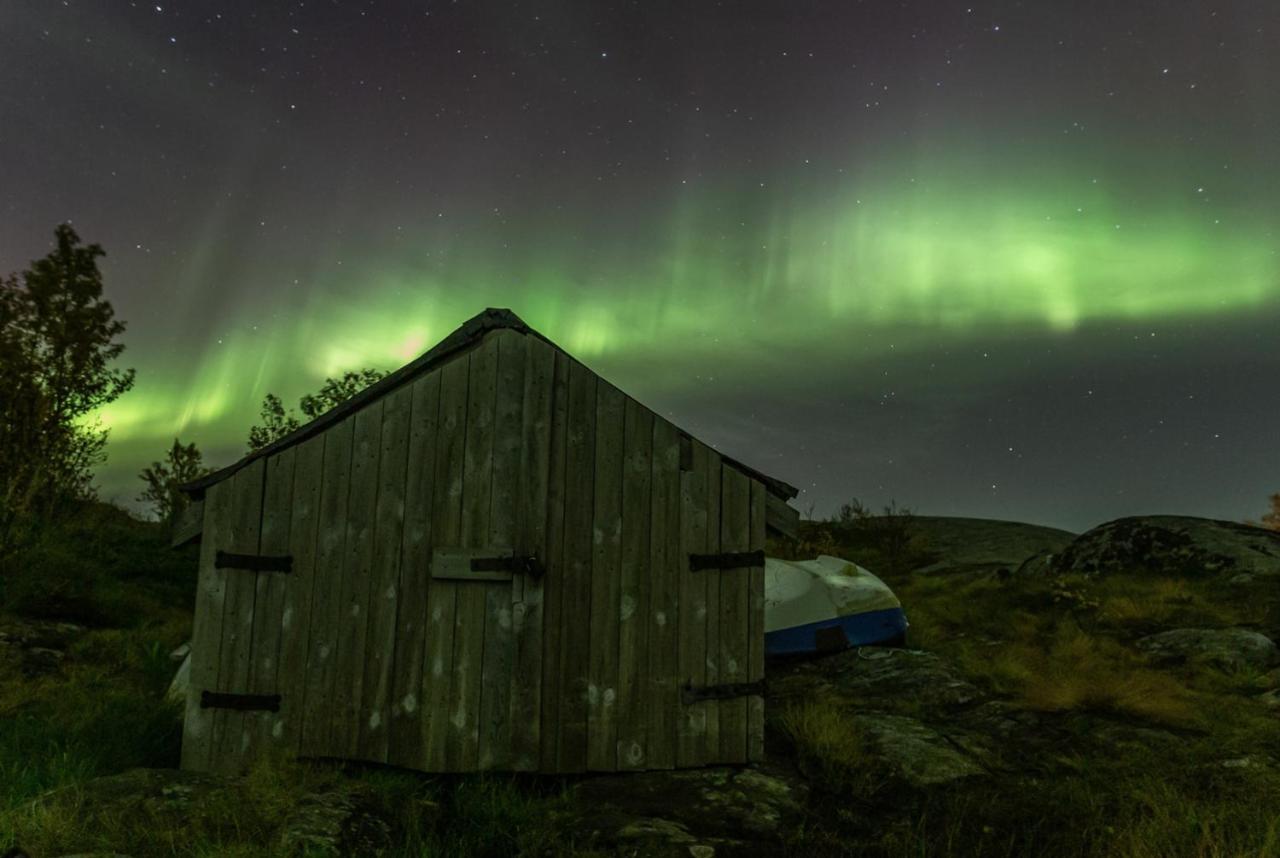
1063	647
1059	647
104	712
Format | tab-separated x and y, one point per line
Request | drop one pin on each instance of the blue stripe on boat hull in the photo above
863	629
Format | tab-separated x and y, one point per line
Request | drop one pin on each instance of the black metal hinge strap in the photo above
691	694
241	702
528	565
253	562
698	562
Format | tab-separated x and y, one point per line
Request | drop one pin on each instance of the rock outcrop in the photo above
40	646
1173	545
715	811
1226	648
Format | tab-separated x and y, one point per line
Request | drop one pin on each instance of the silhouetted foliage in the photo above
338	390
1271	520
57	342
182	464
278	422
886	542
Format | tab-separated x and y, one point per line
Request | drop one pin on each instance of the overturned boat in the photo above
827	604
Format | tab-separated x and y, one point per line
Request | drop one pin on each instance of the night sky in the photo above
1012	260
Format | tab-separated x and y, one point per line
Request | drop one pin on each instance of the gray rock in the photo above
40	645
341	821
713	811
1036	566
1227	648
919	755
877	678
1177	545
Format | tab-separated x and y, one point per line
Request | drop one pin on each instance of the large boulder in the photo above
1173	545
1227	648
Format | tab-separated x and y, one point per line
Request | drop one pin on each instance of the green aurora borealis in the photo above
1001	259
907	266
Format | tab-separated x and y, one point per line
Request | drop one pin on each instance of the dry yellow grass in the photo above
1161	601
823	731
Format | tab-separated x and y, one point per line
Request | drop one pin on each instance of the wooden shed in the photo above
492	559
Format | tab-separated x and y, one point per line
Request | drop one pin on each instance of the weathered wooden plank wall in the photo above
468	624
755	639
384	582
574	620
277	508
442	595
691	727
712	578
245	523
606	557
735	536
326	602
408	745
357	571
663	712
535	528
636	583
556	578
207	630
299	589
504	530
511	446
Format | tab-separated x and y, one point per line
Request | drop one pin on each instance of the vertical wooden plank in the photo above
635	582
504	530
691	729
602	685
735	536
555	579
357	567
268	612
384	583
299	589
230	739
206	633
526	614
755	628
468	624
575	617
711	579
407	740
662	709
326	602
442	596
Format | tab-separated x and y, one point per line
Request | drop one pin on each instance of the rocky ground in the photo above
947	722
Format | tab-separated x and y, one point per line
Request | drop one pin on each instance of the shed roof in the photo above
465	335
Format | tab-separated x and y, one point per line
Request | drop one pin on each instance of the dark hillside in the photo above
1040	710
